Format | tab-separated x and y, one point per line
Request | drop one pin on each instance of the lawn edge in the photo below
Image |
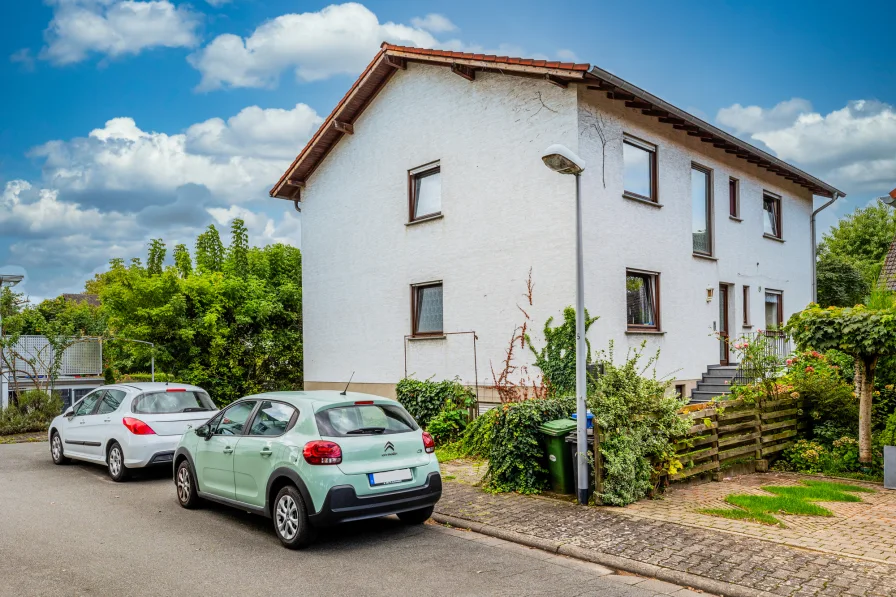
685	579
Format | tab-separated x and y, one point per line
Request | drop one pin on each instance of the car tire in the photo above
185	482
416	516
115	461
291	519
56	452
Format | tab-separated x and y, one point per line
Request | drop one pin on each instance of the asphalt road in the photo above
69	530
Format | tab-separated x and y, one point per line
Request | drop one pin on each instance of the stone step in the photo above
722	388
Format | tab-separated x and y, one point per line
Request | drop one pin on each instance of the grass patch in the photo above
449	452
797	500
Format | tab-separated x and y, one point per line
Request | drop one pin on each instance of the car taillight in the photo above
429	444
322	452
137	427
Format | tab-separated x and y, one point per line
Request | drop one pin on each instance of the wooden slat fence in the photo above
733	430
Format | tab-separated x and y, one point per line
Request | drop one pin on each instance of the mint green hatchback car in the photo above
311	459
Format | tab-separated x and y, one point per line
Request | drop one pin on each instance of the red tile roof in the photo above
488	58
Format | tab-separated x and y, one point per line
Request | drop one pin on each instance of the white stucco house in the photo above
425	204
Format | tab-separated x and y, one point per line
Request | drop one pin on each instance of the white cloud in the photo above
217	3
236	160
339	39
853	147
567	55
115	28
271	133
26	210
434	22
23	57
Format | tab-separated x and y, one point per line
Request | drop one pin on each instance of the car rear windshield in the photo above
168	402
366	419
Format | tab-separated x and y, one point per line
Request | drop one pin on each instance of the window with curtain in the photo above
427	310
774	311
640	173
771	210
425	192
642	300
701	210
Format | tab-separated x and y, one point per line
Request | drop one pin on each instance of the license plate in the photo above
389	477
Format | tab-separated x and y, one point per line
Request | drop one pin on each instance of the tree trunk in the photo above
865	367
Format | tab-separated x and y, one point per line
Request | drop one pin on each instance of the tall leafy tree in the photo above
238	252
840	283
233	332
182	262
862	239
156	258
209	251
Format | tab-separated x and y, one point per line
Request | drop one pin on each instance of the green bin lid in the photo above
558	428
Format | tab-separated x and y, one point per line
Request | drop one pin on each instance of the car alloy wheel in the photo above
56	447
287	517
184	486
115	461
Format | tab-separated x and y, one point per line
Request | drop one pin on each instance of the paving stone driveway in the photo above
865	529
723	556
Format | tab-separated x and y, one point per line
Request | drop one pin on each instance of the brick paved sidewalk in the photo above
865	529
747	566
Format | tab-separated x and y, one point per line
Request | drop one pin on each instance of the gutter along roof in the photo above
391	58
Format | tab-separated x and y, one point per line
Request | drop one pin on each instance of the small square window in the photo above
733	198
426	309
642	304
640	173
424	192
771	211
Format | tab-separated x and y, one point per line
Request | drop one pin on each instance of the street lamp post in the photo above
6	281
561	159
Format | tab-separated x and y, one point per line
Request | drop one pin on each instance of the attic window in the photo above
424	192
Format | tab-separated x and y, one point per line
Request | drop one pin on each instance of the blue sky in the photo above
124	120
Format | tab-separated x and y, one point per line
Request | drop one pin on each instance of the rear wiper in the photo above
363	430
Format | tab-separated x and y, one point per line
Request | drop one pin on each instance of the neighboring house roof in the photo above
90	299
887	277
392	58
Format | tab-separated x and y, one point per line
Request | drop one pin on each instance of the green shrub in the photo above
479	434
827	396
806	456
34	412
557	359
888	435
425	399
639	420
516	454
447	426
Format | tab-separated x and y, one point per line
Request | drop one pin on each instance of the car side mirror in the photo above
69	413
204	431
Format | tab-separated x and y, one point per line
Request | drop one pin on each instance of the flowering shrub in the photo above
806	456
828	398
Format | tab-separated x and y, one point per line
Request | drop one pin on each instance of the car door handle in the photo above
266	451
106	420
82	422
228	450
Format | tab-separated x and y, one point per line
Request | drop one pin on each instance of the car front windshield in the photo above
172	402
367	419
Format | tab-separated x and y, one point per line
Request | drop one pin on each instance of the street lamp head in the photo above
560	158
8	280
889	199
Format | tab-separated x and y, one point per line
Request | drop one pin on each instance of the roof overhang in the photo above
392	58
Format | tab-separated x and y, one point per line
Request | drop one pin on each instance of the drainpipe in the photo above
834	197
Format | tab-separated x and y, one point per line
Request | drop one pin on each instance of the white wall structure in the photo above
503	213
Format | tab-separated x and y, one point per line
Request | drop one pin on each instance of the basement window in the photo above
424	192
642	303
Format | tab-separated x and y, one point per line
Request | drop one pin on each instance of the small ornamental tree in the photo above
865	333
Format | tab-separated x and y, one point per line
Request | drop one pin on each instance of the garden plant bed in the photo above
865	529
18	438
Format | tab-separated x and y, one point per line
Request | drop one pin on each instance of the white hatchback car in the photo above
127	426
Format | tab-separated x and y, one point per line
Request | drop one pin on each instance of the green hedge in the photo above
34	412
425	399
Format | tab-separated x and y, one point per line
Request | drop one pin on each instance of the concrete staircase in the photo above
716	382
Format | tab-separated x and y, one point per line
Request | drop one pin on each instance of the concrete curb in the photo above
685	579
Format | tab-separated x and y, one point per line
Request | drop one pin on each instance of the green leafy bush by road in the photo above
34	412
426	399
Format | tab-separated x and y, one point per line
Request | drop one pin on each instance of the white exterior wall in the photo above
504	212
621	233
